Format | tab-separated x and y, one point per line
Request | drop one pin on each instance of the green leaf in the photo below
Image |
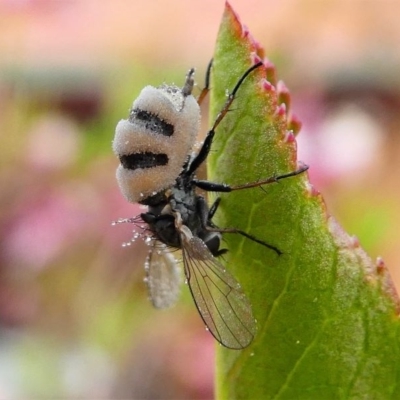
327	314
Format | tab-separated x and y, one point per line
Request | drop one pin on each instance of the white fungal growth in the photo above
162	106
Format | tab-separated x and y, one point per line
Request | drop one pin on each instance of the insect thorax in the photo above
161	215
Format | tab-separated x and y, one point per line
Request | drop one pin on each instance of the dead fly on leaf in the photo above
157	169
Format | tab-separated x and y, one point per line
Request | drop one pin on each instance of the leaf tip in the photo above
232	16
241	30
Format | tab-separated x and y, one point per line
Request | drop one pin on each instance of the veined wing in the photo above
221	302
163	276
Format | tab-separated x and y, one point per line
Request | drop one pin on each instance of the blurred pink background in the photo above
74	317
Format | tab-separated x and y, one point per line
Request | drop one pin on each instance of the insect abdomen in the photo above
154	143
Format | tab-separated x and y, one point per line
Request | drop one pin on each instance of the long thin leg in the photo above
206	88
209	226
222	187
246	235
213	208
205	149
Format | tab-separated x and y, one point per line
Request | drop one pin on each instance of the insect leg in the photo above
222	187
206	88
273	179
213	208
205	149
246	235
210	227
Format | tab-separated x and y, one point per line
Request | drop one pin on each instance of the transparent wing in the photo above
223	306
163	277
